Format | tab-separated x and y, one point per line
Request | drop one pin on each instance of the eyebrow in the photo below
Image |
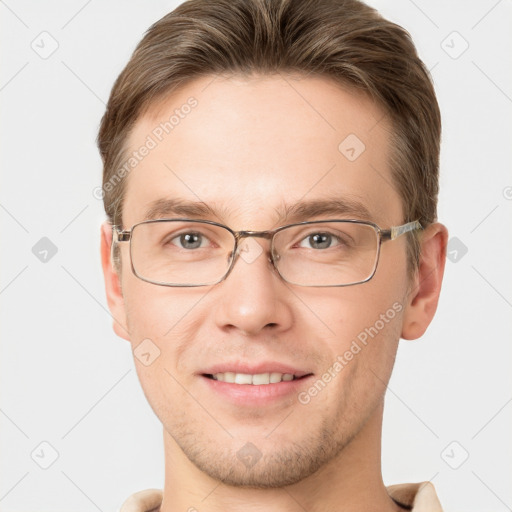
297	212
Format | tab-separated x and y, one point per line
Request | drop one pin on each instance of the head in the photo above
246	108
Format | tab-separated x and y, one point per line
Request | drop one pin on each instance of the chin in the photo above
262	464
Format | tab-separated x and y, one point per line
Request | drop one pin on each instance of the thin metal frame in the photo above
119	236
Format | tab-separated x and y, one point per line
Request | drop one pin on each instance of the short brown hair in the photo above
344	40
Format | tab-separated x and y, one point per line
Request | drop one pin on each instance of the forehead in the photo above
252	148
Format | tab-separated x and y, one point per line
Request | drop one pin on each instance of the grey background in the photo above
66	380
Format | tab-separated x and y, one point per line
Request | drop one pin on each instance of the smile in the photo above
257	379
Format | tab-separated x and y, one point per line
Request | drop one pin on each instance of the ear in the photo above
113	290
425	287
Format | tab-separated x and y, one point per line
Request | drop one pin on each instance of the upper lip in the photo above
253	369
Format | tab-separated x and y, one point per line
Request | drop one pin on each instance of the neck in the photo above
352	482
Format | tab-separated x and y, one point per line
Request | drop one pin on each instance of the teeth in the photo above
243	378
257	379
229	377
275	377
261	378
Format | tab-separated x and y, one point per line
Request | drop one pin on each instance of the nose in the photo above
253	298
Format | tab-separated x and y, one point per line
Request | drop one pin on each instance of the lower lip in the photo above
250	394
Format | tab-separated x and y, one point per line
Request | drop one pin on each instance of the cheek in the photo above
153	311
348	313
156	323
362	355
364	324
167	321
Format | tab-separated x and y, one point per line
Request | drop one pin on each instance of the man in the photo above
271	179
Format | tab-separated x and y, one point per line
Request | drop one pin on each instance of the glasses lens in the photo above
181	253
327	253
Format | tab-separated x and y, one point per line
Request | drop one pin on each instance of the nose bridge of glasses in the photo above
256	234
250	251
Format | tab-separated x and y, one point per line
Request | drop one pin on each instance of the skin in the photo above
249	145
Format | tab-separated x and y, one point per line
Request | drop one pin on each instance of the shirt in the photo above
420	497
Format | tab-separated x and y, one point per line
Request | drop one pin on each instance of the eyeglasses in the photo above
185	252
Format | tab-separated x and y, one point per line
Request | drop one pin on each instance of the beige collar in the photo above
421	497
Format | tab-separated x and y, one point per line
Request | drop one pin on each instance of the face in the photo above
248	148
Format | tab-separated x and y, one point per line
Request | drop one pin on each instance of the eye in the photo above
190	240
320	241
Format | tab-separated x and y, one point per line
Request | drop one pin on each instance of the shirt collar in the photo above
419	497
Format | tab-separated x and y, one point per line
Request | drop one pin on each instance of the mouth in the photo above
254	379
245	385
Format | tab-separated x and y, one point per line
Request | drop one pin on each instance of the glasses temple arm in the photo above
396	231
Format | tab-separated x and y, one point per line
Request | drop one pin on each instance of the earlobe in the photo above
113	289
424	293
